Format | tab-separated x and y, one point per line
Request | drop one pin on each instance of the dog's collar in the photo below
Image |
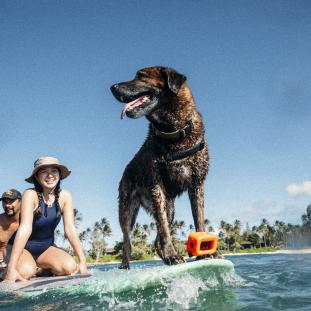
174	136
178	155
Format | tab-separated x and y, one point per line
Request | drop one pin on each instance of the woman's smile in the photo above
48	176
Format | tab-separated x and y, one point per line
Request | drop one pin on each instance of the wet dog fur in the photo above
162	95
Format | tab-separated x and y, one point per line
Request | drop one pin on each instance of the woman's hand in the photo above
83	269
12	275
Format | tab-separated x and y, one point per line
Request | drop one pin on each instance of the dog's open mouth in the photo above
134	103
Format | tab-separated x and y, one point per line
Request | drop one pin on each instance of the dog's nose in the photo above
114	88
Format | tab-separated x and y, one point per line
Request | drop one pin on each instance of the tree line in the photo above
232	237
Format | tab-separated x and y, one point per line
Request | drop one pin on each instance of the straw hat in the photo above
47	161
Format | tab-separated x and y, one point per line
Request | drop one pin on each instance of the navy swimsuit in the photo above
43	227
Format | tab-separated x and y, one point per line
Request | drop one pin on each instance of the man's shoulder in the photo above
3	220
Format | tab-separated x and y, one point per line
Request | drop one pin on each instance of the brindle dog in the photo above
173	158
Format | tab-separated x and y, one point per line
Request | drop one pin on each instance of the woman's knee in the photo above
70	266
26	266
27	269
67	267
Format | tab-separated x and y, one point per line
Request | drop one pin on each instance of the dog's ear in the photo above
174	79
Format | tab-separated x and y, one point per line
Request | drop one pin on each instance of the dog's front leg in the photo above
164	244
128	209
196	196
170	211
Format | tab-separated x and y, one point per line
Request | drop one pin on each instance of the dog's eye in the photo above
140	75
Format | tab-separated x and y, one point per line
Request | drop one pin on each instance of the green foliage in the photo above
107	258
180	247
254	238
252	250
138	253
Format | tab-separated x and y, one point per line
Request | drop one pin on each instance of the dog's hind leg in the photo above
196	196
128	210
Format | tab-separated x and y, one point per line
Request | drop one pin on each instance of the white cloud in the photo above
299	189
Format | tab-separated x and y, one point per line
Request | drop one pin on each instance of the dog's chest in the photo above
176	177
180	173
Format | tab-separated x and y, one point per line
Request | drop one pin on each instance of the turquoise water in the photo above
260	282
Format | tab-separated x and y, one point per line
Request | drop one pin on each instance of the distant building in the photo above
247	244
110	251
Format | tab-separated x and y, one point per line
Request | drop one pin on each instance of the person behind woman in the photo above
42	208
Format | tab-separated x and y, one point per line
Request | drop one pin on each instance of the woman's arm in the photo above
29	200
70	229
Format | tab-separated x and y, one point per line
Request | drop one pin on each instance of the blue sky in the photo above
247	62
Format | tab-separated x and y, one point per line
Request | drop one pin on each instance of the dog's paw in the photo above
124	266
216	255
173	260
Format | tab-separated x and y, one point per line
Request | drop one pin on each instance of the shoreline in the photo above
298	251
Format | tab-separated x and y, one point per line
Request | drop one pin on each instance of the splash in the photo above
185	291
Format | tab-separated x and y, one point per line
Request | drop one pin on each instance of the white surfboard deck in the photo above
117	280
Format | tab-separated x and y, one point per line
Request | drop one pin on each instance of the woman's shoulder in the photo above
30	196
30	192
65	198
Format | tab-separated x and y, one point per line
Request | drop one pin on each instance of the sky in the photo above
247	63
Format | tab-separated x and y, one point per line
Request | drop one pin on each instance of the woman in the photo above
42	208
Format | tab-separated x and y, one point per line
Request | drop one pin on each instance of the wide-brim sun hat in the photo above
48	161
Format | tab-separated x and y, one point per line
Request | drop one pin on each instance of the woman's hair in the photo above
39	190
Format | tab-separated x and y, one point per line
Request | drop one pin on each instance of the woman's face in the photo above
48	177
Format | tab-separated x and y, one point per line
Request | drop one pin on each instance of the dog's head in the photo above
146	92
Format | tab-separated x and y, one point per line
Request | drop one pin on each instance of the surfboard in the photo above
116	280
43	283
122	280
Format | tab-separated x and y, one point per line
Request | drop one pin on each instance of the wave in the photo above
136	289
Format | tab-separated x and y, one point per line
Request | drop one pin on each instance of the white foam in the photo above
184	291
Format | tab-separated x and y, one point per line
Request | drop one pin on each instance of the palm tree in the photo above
177	229
263	229
152	226
306	218
146	230
83	236
227	234
137	234
222	233
77	217
206	223
191	227
237	233
306	226
98	235
280	232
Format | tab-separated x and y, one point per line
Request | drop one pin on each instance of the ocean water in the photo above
259	282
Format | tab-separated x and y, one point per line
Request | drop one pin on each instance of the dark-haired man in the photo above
9	220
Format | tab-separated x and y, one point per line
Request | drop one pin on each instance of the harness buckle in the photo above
169	156
182	133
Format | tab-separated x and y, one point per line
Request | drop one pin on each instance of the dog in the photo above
173	159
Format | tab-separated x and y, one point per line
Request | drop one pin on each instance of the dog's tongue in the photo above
133	104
